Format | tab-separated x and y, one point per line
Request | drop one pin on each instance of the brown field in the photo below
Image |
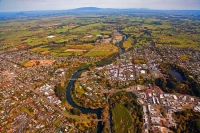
41	62
21	46
88	36
75	50
72	25
45	52
119	37
106	36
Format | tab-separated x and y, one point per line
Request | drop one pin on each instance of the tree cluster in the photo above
170	84
130	102
60	92
188	121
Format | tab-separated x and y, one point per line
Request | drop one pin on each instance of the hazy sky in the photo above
29	5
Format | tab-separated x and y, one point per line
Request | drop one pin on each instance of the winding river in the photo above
88	110
82	109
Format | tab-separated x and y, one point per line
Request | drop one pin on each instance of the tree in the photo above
60	92
75	111
161	82
198	125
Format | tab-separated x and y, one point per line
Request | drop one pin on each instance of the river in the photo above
88	110
82	109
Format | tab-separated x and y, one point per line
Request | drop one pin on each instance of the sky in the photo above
31	5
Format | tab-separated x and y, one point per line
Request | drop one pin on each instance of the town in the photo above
99	73
139	63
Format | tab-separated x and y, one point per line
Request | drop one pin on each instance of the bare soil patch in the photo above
75	50
39	62
45	52
119	37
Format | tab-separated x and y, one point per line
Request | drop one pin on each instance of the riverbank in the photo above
70	85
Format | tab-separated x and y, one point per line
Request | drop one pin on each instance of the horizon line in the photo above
102	8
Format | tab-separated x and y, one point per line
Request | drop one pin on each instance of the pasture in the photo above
121	118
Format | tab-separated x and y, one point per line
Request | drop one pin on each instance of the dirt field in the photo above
21	46
75	50
45	52
39	62
119	37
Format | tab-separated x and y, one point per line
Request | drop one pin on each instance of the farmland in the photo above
90	34
103	50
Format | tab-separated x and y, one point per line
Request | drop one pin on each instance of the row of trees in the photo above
188	121
60	92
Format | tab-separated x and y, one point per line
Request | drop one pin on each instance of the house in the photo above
157	101
161	96
90	89
154	102
143	72
175	97
141	101
138	88
144	109
192	99
197	108
184	98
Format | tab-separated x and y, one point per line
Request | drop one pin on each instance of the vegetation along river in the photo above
98	111
82	109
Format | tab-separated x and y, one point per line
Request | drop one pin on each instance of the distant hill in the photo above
86	9
102	10
93	10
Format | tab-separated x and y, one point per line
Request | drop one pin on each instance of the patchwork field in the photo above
61	35
164	32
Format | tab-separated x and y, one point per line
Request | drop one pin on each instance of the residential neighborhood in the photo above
99	70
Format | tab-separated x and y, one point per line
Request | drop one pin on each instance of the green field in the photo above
82	32
103	50
79	89
163	32
121	118
128	43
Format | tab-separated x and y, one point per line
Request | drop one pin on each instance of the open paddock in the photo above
75	50
103	50
39	62
45	52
